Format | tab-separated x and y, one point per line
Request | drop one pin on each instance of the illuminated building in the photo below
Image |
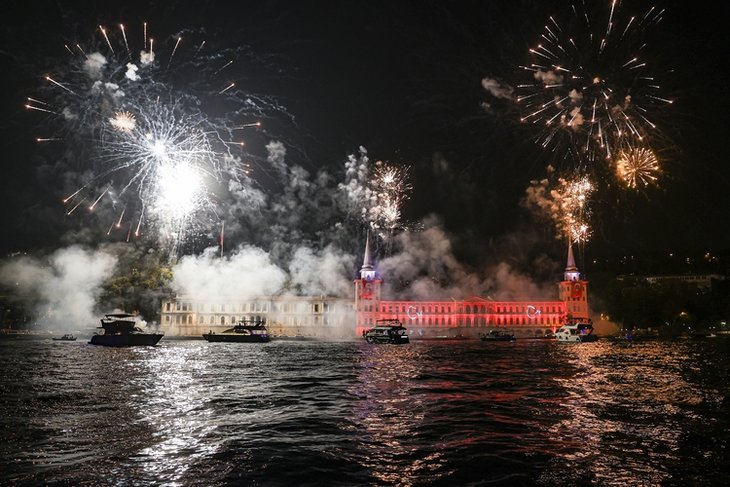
332	317
474	316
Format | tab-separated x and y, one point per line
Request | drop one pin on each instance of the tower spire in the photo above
367	271
366	261
571	271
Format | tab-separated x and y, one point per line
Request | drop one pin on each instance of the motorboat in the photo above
122	330
68	337
576	331
245	331
498	336
387	331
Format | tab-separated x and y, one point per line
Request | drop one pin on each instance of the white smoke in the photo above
497	88
111	89
146	57
94	64
66	285
276	156
245	273
325	273
132	72
548	77
424	267
68	114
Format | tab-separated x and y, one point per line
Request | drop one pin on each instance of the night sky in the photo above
403	80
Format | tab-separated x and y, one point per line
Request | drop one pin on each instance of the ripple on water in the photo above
349	413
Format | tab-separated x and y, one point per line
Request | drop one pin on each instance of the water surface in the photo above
530	412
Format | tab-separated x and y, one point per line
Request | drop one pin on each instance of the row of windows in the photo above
479	321
413	311
435	322
257	307
181	319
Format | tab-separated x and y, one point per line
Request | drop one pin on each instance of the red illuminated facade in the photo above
474	316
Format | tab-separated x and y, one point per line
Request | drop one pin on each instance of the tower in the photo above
367	292
573	290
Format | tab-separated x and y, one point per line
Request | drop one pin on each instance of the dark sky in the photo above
403	80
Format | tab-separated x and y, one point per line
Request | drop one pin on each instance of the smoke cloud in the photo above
247	272
424	267
65	286
497	88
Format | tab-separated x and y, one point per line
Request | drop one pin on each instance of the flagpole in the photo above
223	229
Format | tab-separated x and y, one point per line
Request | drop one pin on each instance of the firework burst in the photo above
566	202
155	155
590	85
375	192
390	187
637	167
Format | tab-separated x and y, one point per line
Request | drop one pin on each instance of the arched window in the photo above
223	320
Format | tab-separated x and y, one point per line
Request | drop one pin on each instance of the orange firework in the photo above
637	167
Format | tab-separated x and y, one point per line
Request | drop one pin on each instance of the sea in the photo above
299	413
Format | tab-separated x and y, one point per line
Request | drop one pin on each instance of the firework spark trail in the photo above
103	32
173	51
224	66
133	122
126	44
226	88
60	85
93	205
31	107
592	94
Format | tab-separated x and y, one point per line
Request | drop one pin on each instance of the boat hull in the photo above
127	340
235	338
576	338
396	340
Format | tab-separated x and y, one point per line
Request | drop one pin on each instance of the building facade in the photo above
304	316
332	317
471	317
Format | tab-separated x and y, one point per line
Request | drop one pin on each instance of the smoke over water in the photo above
64	287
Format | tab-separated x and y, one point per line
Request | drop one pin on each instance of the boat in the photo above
576	331
245	331
387	331
68	337
498	336
121	330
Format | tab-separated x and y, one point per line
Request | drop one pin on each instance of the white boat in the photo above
576	332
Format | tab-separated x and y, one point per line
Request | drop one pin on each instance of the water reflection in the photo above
625	412
387	413
173	399
295	413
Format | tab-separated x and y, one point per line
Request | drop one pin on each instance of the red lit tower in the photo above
573	290
367	292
